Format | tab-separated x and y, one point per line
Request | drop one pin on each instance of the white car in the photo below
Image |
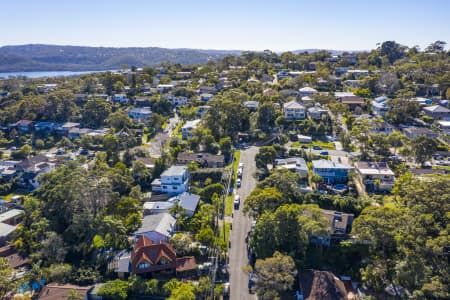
237	201
241	165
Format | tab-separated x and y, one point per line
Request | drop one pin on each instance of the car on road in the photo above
237	201
239	173
304	147
324	153
241	165
238	182
251	282
315	147
226	289
84	152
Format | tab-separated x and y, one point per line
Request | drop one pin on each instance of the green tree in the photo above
275	275
119	120
266	155
95	113
181	243
261	200
114	290
6	284
423	148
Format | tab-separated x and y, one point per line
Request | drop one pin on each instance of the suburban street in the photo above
241	226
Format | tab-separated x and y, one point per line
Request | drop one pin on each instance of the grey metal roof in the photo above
162	223
187	200
10	214
6	229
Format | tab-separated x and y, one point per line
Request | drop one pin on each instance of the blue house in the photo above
379	105
331	172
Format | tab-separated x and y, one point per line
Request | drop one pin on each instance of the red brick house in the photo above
148	257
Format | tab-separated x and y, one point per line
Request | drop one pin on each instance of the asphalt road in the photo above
241	226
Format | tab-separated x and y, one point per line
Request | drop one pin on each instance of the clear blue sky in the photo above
228	24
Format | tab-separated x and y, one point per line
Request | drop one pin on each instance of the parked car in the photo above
251	282
84	152
241	165
237	201
238	182
317	147
226	289
324	153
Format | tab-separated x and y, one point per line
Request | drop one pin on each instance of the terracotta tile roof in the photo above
55	291
186	263
324	285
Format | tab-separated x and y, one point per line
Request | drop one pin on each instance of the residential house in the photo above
44	127
16	261
31	168
338	222
174	180
149	257
8	170
444	126
269	92
306	139
322	83
293	110
376	176
206	160
340	71
437	112
307	91
422	101
379	106
142	101
203	109
63	129
188	127
317	112
177	100
353	83
58	291
76	132
164	88
294	164
325	285
12	217
413	132
358	73
120	98
187	201
381	127
23	126
206	96
331	172
251	105
352	101
157	227
6	232
207	90
140	114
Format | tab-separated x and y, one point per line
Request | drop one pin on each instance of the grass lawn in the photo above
226	232
229	205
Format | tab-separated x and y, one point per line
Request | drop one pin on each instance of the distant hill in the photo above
38	57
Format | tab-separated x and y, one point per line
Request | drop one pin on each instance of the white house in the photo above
376	176
307	91
316	112
294	164
140	113
163	88
294	110
188	127
177	100
174	181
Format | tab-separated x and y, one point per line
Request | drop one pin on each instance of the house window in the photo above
175	187
164	187
144	265
163	261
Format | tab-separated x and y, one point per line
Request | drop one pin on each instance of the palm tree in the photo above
179	212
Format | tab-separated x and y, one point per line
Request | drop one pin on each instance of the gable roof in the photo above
162	223
187	200
6	229
293	104
32	161
55	291
351	100
174	171
437	108
324	285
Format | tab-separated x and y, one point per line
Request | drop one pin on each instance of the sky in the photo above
278	25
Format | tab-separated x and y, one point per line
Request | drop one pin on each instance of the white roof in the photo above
191	124
437	108
293	104
343	94
10	214
328	164
373	168
174	171
6	229
308	89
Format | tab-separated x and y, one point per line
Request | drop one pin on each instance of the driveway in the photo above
156	145
241	226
